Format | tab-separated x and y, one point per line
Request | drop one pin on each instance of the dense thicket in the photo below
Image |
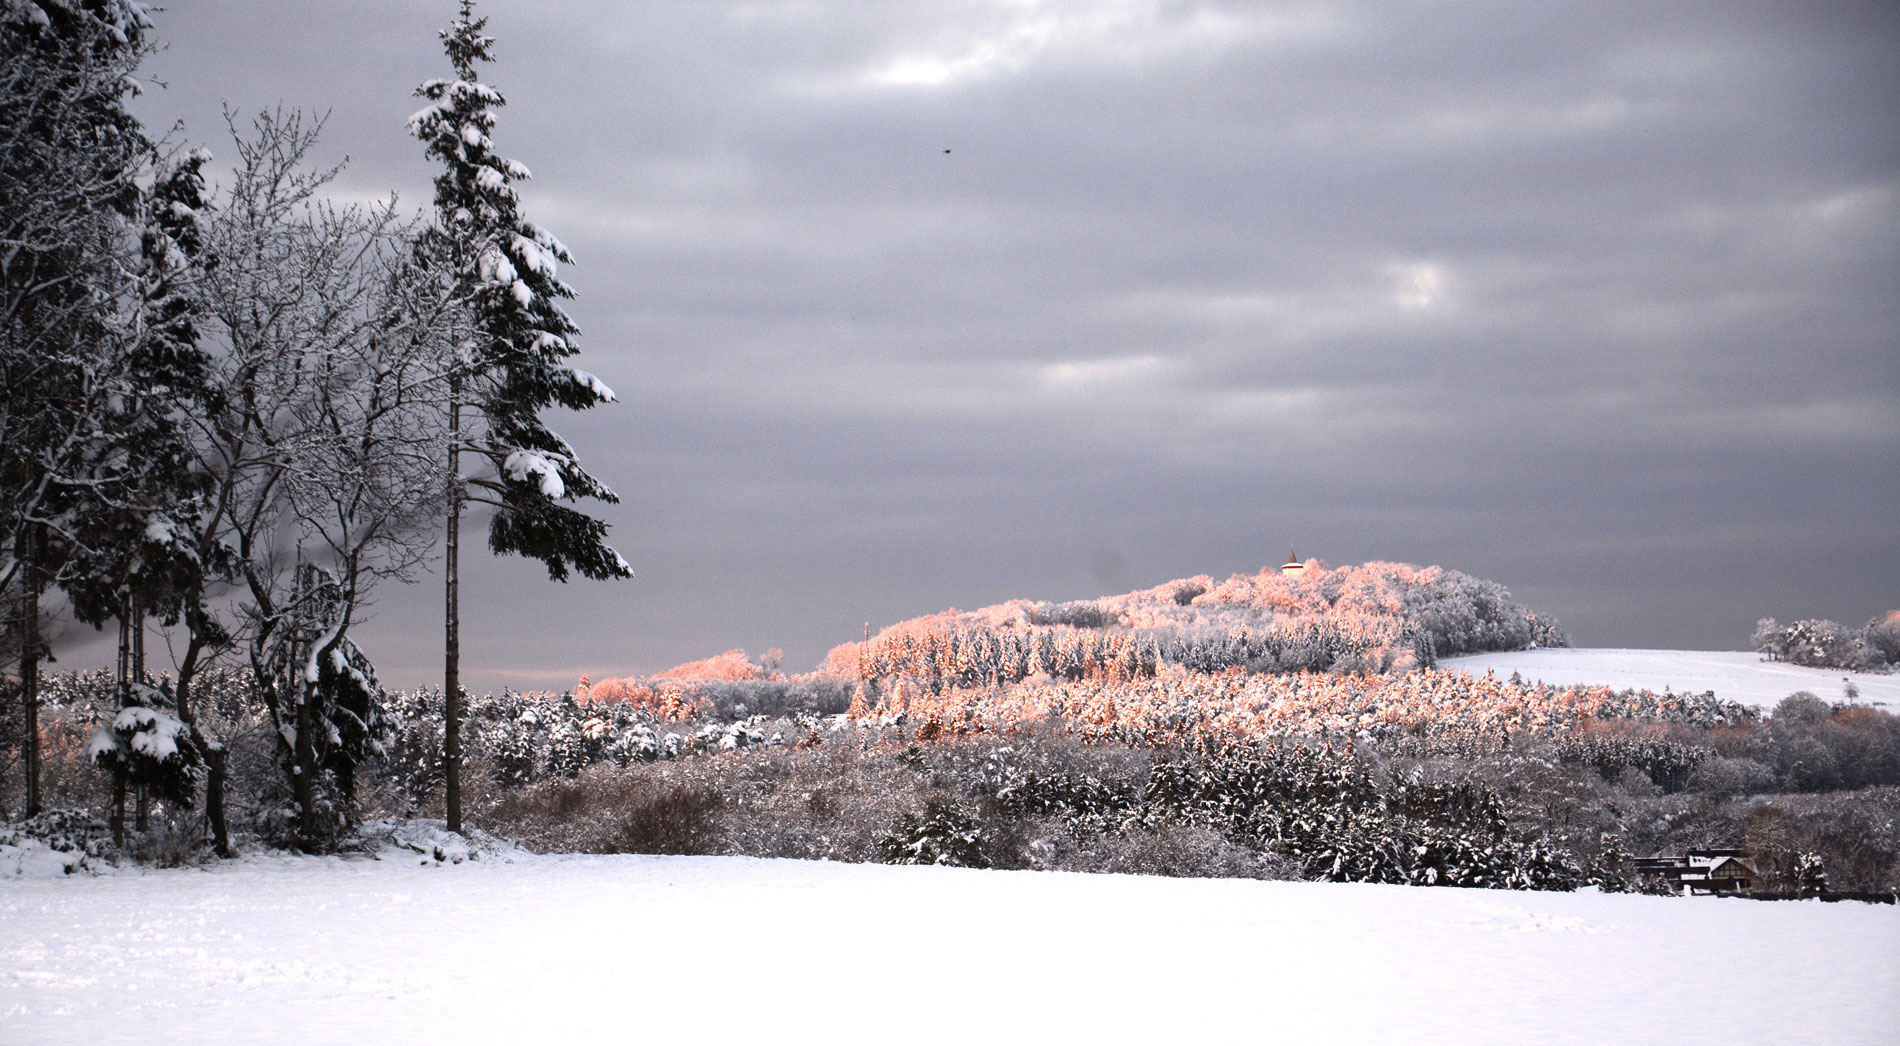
1818	643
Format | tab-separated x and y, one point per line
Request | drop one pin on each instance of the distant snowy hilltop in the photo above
1379	617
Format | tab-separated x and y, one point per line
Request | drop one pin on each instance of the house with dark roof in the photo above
1702	871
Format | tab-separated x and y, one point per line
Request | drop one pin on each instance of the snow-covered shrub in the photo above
1613	870
54	842
614	810
1810	875
151	749
730	737
1160	848
168	845
428	842
280	822
944	833
1063	793
1346	821
412	757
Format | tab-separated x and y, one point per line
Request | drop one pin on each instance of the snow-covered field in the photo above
551	949
1734	676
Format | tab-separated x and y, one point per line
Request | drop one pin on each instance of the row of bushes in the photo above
1050	802
1047	799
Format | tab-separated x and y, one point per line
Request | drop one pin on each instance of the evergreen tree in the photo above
70	156
509	357
132	519
1810	875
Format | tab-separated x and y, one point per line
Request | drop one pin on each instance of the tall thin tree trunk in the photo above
125	651
215	757
124	672
138	641
135	625
30	669
214	752
452	640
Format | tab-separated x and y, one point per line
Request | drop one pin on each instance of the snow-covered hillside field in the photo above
551	949
1734	676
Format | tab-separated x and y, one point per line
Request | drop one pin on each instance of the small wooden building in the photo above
1702	871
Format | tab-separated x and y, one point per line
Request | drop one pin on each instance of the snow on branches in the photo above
506	274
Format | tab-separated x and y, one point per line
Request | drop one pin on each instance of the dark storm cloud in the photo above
1596	300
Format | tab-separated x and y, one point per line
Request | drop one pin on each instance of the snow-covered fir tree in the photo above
510	355
132	557
70	156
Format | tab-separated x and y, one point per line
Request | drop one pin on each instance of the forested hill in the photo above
1378	617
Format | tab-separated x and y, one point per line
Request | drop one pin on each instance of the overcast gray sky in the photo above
942	303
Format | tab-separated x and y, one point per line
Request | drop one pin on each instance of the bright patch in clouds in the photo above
1115	370
1421	285
1862	203
1020	33
1011	50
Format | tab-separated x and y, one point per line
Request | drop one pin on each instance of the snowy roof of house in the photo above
1711	864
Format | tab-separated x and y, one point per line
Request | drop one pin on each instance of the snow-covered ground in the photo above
611	949
1734	676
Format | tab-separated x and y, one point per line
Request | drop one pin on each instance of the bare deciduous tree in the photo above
325	455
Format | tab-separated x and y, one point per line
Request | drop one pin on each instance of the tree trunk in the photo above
138	677
214	752
303	770
452	640
128	677
125	651
30	669
117	818
138	641
215	757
